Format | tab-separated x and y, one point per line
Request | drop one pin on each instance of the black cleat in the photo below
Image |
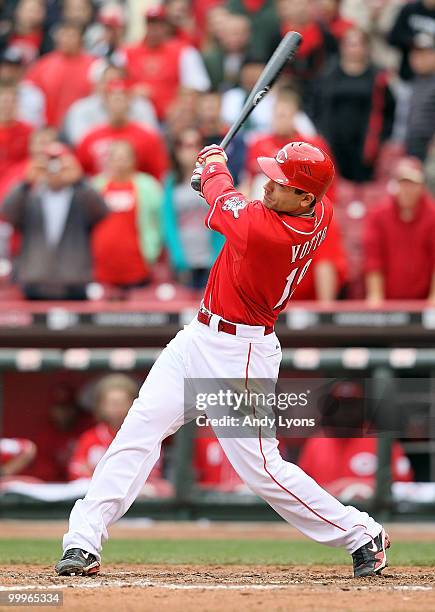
370	559
77	562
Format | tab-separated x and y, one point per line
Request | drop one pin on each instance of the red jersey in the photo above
268	145
159	69
148	145
115	242
331	251
403	251
265	256
212	466
14	144
90	448
330	459
63	79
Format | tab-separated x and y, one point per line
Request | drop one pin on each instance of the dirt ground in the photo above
192	588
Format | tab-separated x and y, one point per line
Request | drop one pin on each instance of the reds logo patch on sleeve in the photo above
234	204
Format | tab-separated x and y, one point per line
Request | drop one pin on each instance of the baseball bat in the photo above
284	53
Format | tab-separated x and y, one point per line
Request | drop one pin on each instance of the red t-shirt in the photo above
115	242
331	251
63	79
266	254
90	448
268	145
148	145
159	69
404	252
330	459
14	144
212	467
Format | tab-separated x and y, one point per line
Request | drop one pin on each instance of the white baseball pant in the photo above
199	351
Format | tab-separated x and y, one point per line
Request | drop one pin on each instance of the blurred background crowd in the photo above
103	108
104	105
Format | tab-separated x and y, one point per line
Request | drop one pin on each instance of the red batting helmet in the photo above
300	165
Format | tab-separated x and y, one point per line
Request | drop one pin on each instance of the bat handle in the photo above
195	181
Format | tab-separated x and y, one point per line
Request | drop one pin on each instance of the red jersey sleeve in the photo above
230	212
373	245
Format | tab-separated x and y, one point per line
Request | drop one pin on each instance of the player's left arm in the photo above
231	213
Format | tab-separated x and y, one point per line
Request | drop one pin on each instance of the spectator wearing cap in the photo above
88	113
420	125
148	144
128	241
354	108
64	74
55	211
110	37
31	100
161	64
14	134
414	18
28	30
399	240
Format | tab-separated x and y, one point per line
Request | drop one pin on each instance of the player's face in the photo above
285	199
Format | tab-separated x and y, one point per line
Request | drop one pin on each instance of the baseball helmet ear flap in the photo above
300	165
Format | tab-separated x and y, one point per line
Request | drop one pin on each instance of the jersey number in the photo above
292	283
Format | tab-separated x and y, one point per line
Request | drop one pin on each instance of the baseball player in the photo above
269	247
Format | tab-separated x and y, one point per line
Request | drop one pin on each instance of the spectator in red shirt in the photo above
15	455
160	65
347	465
64	74
289	124
325	279
128	241
148	144
114	395
211	466
14	135
399	240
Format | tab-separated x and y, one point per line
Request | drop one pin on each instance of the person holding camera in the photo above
55	211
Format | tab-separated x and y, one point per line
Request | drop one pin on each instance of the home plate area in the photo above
190	587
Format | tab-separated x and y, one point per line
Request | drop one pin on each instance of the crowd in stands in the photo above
103	106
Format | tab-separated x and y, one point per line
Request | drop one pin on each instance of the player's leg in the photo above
119	476
256	458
